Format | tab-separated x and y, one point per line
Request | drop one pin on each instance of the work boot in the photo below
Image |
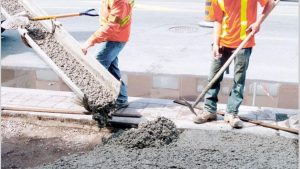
205	117
121	105
233	120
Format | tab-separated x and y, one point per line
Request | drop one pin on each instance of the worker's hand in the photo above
255	27
85	47
216	53
84	50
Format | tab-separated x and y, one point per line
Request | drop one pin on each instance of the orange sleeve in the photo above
217	12
119	10
263	2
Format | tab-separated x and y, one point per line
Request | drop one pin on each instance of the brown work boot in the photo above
205	117
233	120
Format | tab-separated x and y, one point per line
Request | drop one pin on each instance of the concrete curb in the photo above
57	119
86	122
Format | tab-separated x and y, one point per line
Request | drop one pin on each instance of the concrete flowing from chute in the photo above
99	97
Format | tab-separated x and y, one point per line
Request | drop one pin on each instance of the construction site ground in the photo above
34	138
48	129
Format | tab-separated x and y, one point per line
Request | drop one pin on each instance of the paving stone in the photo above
58	98
42	97
132	111
64	105
152	112
4	101
16	101
174	107
10	96
48	104
138	105
32	103
150	100
169	114
24	97
155	105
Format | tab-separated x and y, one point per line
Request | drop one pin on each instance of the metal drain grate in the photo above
184	29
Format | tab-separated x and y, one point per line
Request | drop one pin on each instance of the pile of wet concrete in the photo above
99	98
190	149
156	133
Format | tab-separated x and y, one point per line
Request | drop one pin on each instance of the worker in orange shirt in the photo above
233	20
115	20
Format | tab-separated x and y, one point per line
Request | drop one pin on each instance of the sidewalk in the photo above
148	108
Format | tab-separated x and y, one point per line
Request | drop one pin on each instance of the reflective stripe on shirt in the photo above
224	21
243	19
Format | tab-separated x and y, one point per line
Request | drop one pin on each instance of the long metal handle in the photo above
227	63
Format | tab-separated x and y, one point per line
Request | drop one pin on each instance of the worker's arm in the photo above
119	10
217	17
216	39
255	27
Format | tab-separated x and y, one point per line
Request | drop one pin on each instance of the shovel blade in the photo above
190	106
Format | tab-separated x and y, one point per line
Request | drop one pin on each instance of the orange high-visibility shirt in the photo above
115	21
235	17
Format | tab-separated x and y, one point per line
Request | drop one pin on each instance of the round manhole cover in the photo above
184	29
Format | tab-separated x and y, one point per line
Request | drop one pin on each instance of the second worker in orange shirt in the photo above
232	22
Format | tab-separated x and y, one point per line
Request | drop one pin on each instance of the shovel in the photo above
221	71
23	19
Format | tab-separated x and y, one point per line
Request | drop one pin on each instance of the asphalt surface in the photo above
166	38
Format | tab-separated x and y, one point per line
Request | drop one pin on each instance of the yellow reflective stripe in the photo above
243	19
124	21
112	18
221	4
224	21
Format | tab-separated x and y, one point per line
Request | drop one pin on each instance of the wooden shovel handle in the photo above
54	16
227	63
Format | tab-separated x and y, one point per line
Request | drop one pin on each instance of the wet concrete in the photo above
99	97
156	133
194	149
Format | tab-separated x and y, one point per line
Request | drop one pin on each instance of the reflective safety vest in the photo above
113	18
235	17
243	19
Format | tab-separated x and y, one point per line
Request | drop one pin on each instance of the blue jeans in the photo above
235	99
108	57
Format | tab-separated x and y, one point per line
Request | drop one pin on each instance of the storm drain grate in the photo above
184	29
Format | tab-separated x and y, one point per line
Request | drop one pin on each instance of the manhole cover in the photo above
184	29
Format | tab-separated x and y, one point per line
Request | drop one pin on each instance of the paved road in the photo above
166	38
